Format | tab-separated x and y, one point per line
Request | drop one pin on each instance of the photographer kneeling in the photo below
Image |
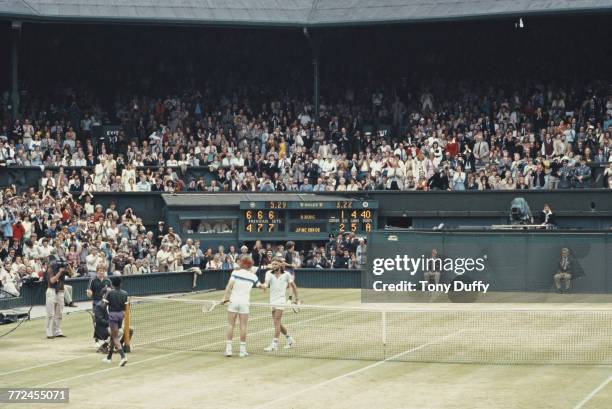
56	275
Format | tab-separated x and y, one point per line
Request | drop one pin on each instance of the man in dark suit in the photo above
159	234
331	244
341	260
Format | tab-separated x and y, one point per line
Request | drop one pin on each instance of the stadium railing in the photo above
29	176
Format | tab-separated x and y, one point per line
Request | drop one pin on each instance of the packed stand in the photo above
431	114
38	228
449	137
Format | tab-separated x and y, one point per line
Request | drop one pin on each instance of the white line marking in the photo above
365	368
175	353
116	404
90	354
43	365
115	366
593	393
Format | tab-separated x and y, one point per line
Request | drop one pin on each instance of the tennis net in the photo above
457	335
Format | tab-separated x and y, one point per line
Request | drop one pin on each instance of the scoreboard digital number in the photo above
263	221
306	220
354	220
332	221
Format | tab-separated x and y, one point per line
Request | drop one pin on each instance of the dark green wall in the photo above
514	260
181	282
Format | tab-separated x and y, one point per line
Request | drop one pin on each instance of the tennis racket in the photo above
209	307
294	304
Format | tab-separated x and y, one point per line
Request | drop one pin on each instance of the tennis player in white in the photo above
278	281
238	293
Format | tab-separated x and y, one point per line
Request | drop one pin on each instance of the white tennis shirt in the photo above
244	281
278	286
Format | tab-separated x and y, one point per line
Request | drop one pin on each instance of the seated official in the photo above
432	272
563	275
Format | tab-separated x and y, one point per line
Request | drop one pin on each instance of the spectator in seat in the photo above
215	264
582	175
164	258
566	175
341	261
361	252
189	253
608	175
547	217
538	177
318	260
481	150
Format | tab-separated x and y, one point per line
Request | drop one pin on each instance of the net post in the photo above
126	327
384	327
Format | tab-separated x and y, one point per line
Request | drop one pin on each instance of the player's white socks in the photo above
228	348
243	351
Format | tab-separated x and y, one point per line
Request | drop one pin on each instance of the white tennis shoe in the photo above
107	361
243	351
272	348
289	342
123	362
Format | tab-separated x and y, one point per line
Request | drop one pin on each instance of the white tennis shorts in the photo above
278	304
240	308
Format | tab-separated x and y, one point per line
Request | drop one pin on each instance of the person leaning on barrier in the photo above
189	253
564	273
547	217
55	277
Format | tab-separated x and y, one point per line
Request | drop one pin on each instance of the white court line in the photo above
90	354
43	365
176	352
107	369
29	368
365	368
593	393
115	404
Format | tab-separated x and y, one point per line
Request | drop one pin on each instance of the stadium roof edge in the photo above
286	14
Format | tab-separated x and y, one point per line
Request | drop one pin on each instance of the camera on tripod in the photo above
57	265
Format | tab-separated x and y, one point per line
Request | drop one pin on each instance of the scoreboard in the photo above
305	220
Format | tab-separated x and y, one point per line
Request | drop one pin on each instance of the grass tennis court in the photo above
187	368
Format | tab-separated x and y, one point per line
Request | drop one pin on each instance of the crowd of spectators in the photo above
37	228
347	251
449	137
